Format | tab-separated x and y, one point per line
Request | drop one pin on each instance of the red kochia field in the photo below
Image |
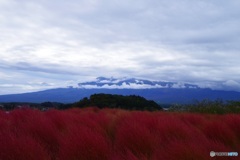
99	134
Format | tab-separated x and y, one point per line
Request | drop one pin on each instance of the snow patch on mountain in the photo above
131	83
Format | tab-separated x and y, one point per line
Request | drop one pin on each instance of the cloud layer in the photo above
63	42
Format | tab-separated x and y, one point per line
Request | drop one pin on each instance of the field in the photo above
102	134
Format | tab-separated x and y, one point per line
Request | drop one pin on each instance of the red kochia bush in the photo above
132	136
112	134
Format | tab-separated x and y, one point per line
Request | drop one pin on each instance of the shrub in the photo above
106	134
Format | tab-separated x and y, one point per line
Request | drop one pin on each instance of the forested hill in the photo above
131	102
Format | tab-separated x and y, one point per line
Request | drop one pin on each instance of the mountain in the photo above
159	91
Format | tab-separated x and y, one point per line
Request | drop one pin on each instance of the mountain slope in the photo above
160	95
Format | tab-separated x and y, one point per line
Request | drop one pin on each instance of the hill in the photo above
131	102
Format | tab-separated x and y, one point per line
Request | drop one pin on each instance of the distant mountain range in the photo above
159	91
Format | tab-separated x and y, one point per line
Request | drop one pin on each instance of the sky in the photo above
48	44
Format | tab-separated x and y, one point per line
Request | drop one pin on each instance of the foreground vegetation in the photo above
115	134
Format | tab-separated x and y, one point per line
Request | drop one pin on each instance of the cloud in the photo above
232	83
194	41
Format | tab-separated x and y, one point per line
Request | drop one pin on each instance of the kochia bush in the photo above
112	134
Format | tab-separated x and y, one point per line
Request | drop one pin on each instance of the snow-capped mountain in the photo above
159	91
132	83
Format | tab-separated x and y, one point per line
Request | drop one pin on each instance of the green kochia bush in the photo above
208	106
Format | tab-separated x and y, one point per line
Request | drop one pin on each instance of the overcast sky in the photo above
52	43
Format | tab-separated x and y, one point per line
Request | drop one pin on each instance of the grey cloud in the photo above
201	36
46	68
